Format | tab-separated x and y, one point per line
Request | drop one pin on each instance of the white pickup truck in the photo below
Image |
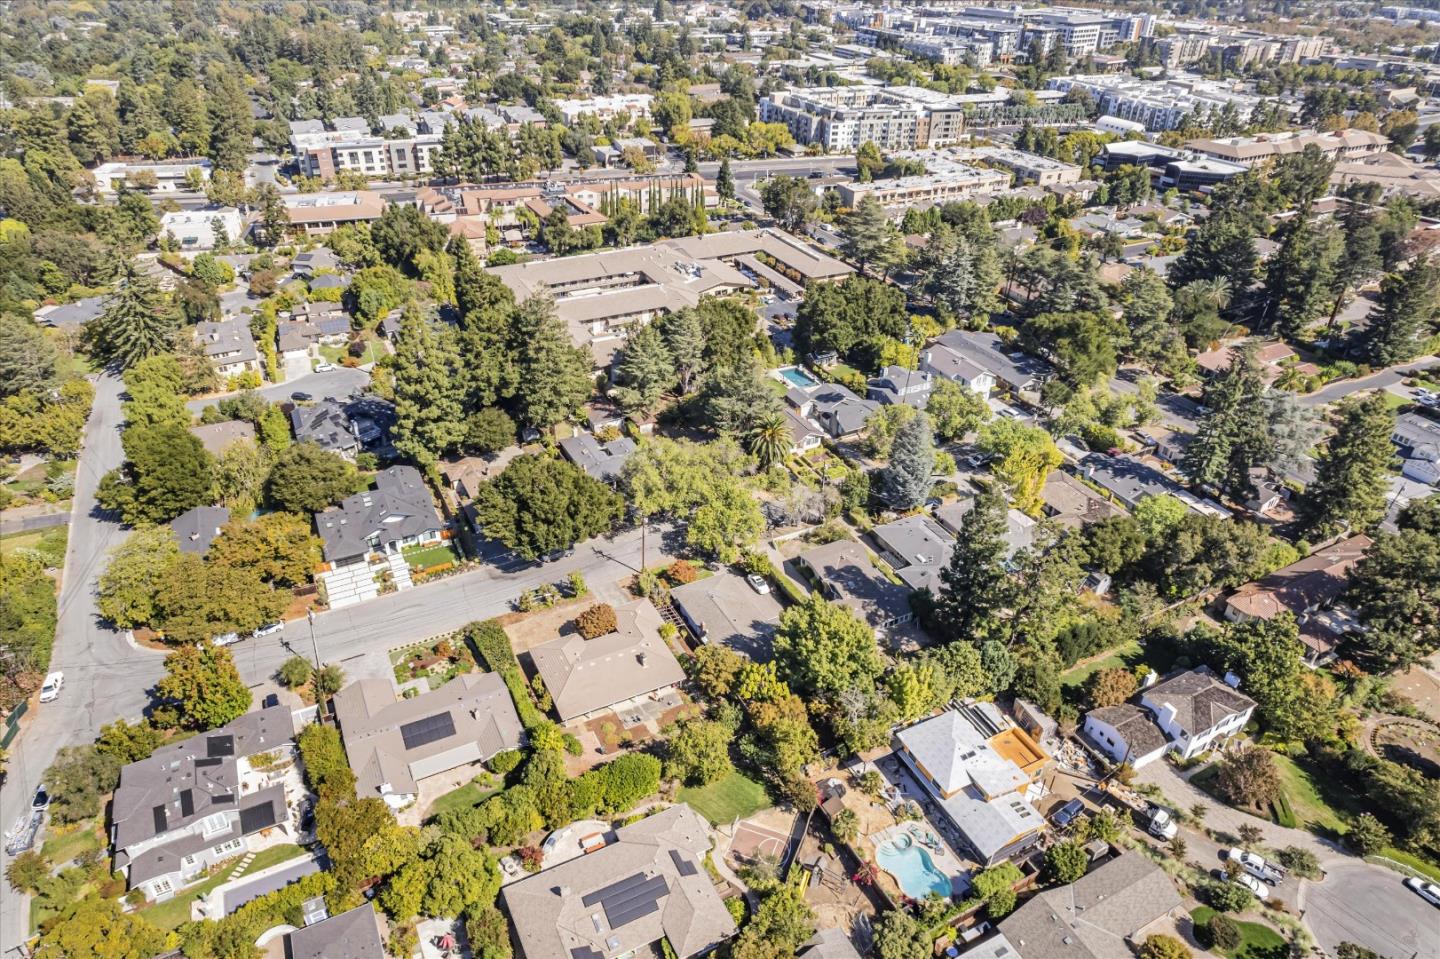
1161	824
1257	866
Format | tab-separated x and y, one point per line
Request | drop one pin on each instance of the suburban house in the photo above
1190	713
1418	439
1071	503
828	944
311	262
725	609
647	883
1308	590
204	800
1010	367
1128	481
949	363
918	548
355	934
602	461
393	744
1105	914
1019	528
834	408
229	345
195	529
804	435
367	534
72	316
327	426
896	384
846	575
218	437
981	770
195	231
588	676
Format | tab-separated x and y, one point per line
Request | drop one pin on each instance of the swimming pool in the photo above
798	378
912	868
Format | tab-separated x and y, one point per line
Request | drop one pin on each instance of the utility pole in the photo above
315	651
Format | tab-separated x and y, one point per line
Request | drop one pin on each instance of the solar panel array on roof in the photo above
257	817
187	802
221	799
208	762
431	729
219	746
585	952
682	865
158	814
629	899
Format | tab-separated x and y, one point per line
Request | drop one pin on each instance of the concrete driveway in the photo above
1371	907
337	383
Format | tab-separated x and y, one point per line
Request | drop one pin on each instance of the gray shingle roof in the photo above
326	425
853	581
1135	725
726	609
584	675
1200	699
602	461
195	529
350	935
1009	364
399	507
573	910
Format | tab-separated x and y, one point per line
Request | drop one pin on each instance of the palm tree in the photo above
769	439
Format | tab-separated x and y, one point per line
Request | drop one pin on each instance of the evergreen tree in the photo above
1300	278
487	335
976	587
1353	471
906	480
231	123
645	371
869	239
1361	259
87	140
1409	300
1396	588
1234	435
429	390
725	181
558	375
1222	247
959	275
138	322
685	339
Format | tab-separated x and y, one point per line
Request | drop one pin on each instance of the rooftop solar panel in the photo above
431	729
187	802
221	799
208	762
219	746
257	817
614	888
629	899
682	865
158	815
585	952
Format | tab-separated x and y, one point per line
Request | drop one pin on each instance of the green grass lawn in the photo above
1317	801
723	801
64	848
334	354
1394	401
462	797
9	544
1124	656
172	912
1257	941
1423	866
426	556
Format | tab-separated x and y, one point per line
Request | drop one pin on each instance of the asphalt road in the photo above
1376	381
105	676
337	383
1371	907
441	606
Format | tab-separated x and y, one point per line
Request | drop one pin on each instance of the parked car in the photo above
300	396
757	583
50	690
324	367
1256	865
268	629
1425	890
1257	888
1067	813
1161	824
41	802
225	639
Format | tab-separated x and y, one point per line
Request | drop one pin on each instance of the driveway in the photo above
1371	907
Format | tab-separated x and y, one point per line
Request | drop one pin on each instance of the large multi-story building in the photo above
842	118
1159	104
1249	151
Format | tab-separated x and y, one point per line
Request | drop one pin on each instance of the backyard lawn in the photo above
725	800
172	912
1124	656
60	849
462	797
1257	941
1316	801
334	354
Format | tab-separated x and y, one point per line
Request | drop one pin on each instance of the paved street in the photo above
1375	381
1371	907
439	607
105	676
338	383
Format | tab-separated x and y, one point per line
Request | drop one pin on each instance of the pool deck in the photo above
926	838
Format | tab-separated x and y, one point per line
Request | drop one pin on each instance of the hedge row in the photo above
492	648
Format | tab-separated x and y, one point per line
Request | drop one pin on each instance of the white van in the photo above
51	689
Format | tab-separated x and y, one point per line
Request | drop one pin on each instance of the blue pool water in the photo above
912	868
798	377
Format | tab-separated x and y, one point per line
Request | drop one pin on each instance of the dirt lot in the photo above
1420	685
528	630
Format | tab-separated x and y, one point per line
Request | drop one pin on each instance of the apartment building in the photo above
1158	104
1027	167
605	107
170	177
842	118
318	213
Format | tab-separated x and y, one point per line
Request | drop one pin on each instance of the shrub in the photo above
327	770
1301	862
492	646
572	745
1223	933
504	763
1367	834
1164	947
682	571
295	671
598	620
1228	896
628	780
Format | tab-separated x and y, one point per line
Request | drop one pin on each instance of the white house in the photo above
169	177
195	230
1189	714
947	362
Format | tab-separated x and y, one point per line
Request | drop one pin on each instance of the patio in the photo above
904	790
